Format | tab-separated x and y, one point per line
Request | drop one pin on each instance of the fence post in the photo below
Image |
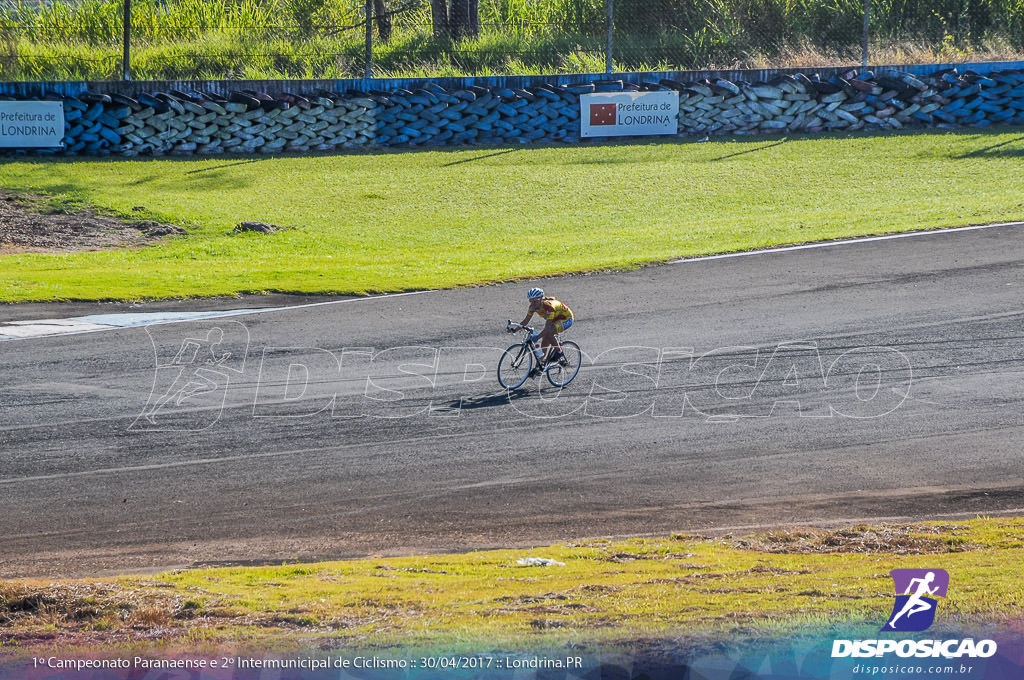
126	52
864	39
609	12
369	39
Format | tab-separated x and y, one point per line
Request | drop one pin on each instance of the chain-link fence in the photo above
253	39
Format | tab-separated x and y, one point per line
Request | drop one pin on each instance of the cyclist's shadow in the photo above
502	398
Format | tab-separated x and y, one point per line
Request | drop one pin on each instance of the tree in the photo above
439	18
383	20
463	19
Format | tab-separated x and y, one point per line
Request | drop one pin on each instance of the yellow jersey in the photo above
551	309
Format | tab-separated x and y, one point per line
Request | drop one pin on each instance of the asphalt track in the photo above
882	380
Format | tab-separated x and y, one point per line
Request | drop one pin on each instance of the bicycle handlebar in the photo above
517	326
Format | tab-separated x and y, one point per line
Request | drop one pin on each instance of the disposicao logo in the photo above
914	609
912	612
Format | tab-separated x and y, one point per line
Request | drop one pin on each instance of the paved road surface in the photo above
882	380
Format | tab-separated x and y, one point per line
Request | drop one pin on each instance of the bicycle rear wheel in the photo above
514	366
559	375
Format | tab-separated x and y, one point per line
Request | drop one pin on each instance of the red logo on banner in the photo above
602	114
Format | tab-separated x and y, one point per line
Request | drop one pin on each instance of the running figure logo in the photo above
195	363
914	609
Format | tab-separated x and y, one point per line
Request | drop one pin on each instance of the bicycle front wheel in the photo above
559	375
515	366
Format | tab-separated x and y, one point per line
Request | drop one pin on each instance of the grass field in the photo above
394	221
186	39
684	588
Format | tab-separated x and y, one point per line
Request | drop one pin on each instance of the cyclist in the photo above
558	317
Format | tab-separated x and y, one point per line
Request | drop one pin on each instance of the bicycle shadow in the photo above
502	398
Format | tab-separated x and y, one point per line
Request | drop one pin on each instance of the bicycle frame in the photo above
530	343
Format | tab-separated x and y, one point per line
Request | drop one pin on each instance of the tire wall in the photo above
216	117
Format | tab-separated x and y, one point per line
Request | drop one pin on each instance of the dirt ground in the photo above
36	224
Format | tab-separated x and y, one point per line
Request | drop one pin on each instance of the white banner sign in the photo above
617	114
31	124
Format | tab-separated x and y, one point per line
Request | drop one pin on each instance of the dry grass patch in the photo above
915	539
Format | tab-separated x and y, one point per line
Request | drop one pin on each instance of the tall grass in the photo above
70	39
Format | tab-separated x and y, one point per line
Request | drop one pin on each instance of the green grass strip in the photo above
394	221
683	588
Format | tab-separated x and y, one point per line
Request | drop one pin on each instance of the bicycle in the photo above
516	364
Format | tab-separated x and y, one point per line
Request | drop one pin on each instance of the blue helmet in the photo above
534	294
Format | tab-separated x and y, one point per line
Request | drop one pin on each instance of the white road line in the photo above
20	330
37	329
338	302
844	242
92	323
